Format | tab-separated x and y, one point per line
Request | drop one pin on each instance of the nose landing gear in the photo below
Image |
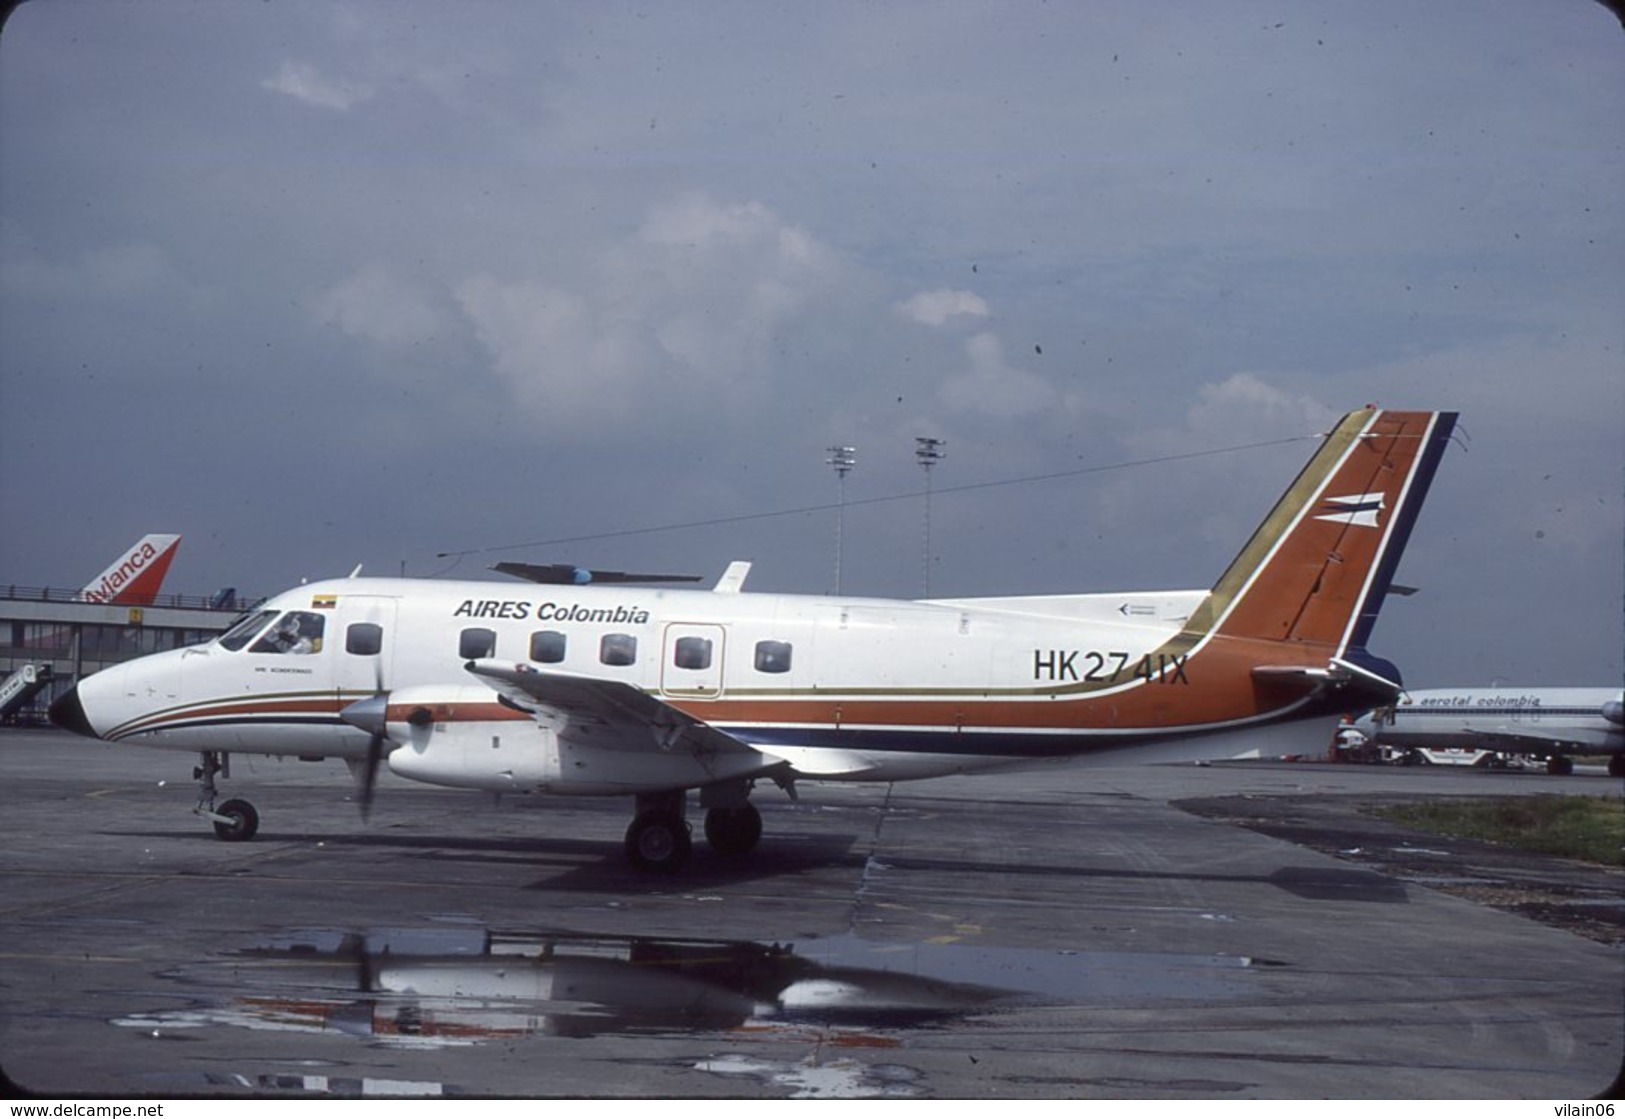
235	821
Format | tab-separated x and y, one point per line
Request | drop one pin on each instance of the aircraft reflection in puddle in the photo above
461	986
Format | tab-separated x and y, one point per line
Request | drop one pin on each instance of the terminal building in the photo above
52	637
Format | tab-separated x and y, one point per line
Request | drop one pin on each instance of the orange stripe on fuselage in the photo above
492	712
1214	685
216	709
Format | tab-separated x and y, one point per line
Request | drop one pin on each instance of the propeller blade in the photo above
369	775
371	715
569	575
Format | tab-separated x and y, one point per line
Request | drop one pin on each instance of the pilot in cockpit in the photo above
288	638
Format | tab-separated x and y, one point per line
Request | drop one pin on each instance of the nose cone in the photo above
68	713
370	714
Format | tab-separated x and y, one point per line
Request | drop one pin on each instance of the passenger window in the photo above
476	643
618	649
772	656
364	639
692	653
297	632
547	646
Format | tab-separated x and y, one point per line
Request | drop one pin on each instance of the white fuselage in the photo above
838	688
1507	720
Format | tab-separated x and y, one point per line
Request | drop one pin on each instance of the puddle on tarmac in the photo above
450	985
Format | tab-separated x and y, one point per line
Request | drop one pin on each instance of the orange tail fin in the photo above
1316	571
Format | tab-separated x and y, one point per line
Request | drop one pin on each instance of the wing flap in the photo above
815	762
606	714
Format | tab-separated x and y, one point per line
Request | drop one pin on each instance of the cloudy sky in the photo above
328	283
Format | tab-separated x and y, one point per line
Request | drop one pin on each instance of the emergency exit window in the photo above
692	653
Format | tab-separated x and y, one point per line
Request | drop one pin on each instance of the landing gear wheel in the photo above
658	840
735	830
245	821
1616	766
1559	764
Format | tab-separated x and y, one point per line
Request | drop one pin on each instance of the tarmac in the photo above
1234	931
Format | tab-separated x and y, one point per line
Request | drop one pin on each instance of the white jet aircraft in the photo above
1554	723
652	692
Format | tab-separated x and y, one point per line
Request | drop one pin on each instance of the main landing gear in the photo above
659	838
234	821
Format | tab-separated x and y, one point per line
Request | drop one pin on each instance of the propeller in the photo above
371	715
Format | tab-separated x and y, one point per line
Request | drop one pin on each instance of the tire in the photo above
733	831
245	822
658	841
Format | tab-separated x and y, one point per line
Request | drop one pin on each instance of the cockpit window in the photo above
245	629
297	632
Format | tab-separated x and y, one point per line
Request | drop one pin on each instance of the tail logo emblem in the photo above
1357	509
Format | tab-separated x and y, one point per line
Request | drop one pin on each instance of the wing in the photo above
608	714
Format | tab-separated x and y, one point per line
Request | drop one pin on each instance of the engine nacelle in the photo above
464	738
1614	712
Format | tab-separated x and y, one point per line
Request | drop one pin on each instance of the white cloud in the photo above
1244	406
691	303
126	270
933	308
993	387
301	82
376	305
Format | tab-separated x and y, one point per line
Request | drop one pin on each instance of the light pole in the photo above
843	459
927	452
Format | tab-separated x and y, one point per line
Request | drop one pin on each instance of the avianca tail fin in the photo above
1314	575
136	576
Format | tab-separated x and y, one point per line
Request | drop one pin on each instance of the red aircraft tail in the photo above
136	576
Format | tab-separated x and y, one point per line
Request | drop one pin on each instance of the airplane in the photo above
135	577
1556	723
577	688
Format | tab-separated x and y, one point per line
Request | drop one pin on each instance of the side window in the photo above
618	649
547	646
772	656
692	653
477	643
297	632
364	639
